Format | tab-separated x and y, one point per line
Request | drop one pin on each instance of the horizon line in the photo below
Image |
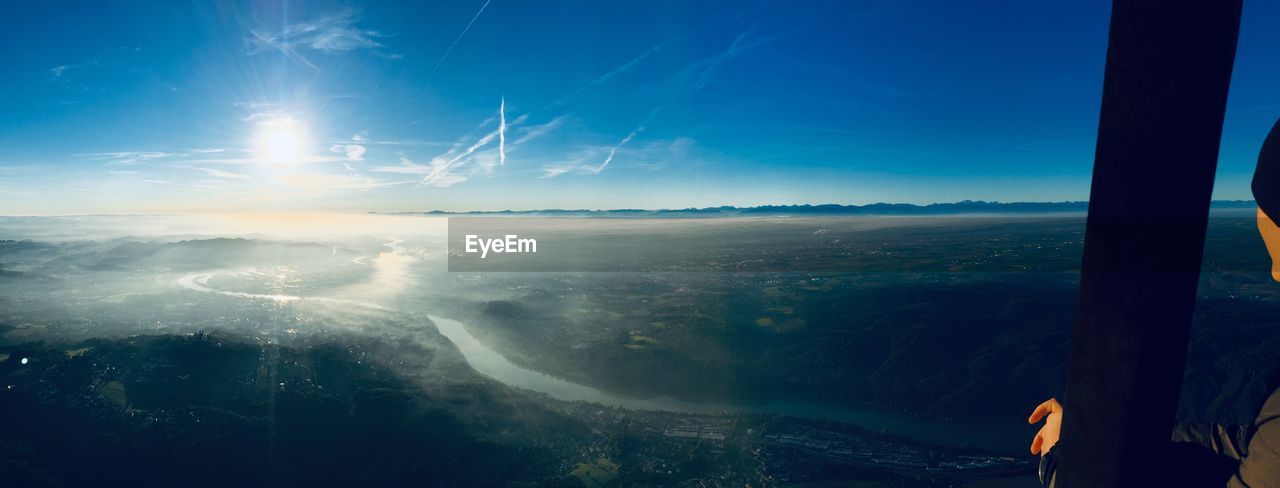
1230	204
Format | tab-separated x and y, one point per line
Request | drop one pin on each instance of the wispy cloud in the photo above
632	135
57	72
483	141
406	167
535	131
553	171
264	116
607	76
321	184
702	72
261	111
693	77
354	151
439	173
581	163
128	157
650	155
459	38
334	33
624	67
217	173
352	180
740	44
614	151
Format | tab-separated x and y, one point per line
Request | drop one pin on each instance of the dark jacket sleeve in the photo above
1266	178
1227	440
1231	441
1048	468
1261	464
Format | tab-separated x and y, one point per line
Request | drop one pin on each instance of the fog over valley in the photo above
929	334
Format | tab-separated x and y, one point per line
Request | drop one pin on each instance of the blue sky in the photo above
320	106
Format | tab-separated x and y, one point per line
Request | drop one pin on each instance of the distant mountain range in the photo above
963	207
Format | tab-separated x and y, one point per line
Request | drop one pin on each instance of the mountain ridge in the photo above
872	209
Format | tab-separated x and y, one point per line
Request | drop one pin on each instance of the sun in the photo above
281	142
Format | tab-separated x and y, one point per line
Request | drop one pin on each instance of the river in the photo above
1000	437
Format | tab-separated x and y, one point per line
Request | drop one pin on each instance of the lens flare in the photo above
281	142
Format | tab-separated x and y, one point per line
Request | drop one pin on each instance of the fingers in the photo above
1049	406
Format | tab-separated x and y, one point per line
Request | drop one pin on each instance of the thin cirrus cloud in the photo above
334	33
406	167
584	162
692	78
600	80
322	184
535	131
217	173
57	72
614	151
582	166
354	150
437	173
708	68
651	155
128	157
63	73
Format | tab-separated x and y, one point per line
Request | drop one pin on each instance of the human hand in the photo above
1051	412
1271	237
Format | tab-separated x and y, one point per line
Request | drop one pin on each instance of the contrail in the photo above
444	167
615	149
502	132
625	140
606	77
600	168
464	32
